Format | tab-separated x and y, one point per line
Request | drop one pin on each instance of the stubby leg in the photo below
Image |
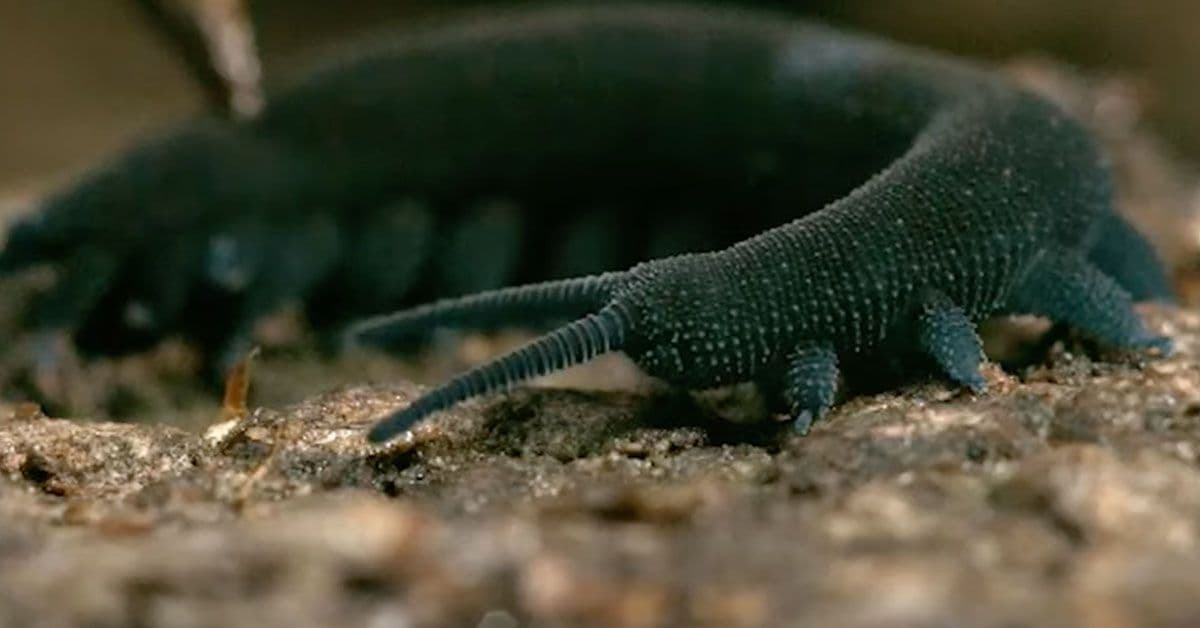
285	265
592	243
1066	288
483	250
84	278
946	334
382	259
810	384
389	251
160	289
58	314
1123	254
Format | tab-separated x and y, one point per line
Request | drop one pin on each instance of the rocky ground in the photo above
1067	495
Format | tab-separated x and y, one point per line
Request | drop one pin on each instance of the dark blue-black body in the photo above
901	194
988	200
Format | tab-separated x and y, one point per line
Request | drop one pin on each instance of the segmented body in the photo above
897	192
505	148
989	201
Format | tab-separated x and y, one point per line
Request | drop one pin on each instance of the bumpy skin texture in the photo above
513	142
529	145
990	203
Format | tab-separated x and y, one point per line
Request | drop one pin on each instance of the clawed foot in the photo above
802	423
977	383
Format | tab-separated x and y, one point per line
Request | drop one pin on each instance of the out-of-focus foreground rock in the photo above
1068	495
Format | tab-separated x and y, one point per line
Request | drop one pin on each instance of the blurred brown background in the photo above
81	78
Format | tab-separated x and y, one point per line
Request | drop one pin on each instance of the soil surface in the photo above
1069	494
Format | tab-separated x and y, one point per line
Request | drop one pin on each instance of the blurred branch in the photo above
216	40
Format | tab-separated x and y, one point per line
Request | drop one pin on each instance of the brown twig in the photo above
215	38
237	389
